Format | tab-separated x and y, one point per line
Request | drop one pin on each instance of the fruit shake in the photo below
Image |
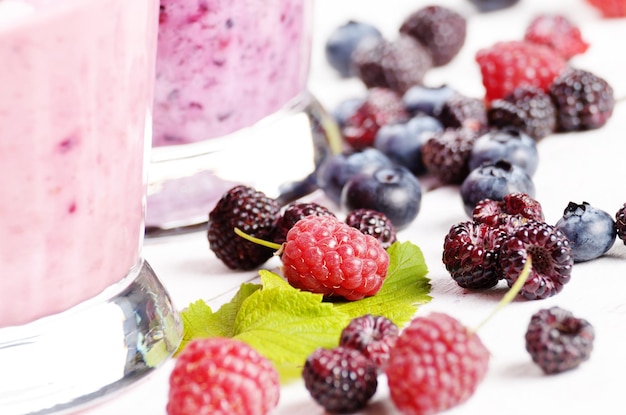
77	87
223	65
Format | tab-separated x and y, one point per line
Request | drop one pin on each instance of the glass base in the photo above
277	156
68	361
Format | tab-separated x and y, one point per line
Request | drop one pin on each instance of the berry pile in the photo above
531	92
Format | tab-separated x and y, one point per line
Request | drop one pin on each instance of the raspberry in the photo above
462	111
496	212
373	336
436	364
293	213
610	8
471	254
558	33
326	256
381	106
446	154
251	211
583	100
440	29
552	260
510	64
620	223
557	340
220	376
375	223
342	380
528	109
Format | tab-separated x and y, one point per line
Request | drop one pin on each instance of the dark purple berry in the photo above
342	379
440	29
394	191
461	111
252	212
620	223
293	213
528	109
373	336
494	181
550	254
507	144
471	253
591	231
583	100
374	223
558	341
446	153
497	213
344	40
345	109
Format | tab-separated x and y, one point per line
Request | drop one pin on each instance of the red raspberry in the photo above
436	364
220	376
381	106
610	8
373	336
510	64
558	33
557	340
326	256
551	256
471	254
342	380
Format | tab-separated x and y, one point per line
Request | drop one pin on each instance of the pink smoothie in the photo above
223	65
77	88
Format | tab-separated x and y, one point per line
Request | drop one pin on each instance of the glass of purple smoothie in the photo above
232	106
82	314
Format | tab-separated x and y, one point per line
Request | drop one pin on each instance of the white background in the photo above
574	167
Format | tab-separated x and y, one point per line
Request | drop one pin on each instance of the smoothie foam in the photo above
223	65
77	87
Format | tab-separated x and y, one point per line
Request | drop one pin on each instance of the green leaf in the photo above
404	289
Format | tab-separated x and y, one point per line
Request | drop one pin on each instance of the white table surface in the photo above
574	167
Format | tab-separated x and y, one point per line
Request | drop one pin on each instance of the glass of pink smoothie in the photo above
232	106
80	310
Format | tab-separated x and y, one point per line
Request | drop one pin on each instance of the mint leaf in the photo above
405	287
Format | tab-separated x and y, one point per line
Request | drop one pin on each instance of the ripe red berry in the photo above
610	8
436	364
221	376
326	256
557	32
507	65
373	336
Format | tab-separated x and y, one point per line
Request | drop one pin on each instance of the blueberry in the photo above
494	181
344	40
426	100
591	231
402	142
507	144
492	5
345	109
393	191
337	169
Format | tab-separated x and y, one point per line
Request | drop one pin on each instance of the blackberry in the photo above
381	106
373	336
584	101
293	213
557	340
440	29
446	154
367	62
251	211
620	223
375	223
471	254
462	111
342	379
551	256
528	109
496	212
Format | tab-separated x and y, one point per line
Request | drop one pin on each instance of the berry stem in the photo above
263	242
510	294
